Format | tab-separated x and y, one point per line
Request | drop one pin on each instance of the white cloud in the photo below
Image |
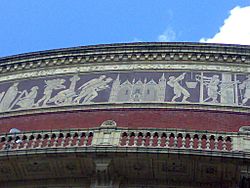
167	36
236	28
136	40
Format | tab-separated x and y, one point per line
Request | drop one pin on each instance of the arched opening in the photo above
3	139
132	134
164	135
75	135
10	138
123	140
82	139
46	136
83	134
171	140
171	135
24	137
204	141
195	141
38	136
196	136
139	139
163	139
220	143
179	140
155	139
68	135
156	134
124	134
187	140
131	139
228	138
31	137
147	139
61	135
90	137
53	136
17	138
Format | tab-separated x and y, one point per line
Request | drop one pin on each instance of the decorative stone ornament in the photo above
107	134
108	124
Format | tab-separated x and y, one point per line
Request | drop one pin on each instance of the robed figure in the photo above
8	97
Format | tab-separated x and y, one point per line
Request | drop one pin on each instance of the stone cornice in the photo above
184	52
131	106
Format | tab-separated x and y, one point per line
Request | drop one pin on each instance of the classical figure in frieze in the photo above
26	99
179	90
90	89
212	86
66	96
8	97
50	85
245	88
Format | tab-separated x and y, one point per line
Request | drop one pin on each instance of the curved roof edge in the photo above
182	46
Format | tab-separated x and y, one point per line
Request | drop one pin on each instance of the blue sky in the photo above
34	25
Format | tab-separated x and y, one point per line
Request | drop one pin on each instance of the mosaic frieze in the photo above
209	88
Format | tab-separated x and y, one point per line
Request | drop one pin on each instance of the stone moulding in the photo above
195	52
67	79
135	66
128	106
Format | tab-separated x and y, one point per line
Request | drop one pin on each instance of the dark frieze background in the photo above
212	88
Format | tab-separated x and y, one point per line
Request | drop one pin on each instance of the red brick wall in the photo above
132	118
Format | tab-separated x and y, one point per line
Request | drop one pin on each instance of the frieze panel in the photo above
210	88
